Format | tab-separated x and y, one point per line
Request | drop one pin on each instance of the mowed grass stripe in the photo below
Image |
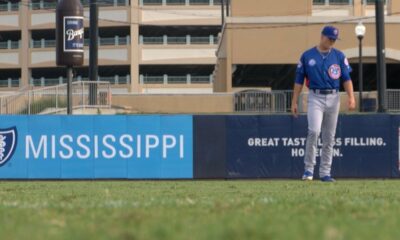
348	209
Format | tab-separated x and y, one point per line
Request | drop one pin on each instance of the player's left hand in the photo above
352	103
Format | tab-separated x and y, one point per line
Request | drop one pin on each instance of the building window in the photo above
332	2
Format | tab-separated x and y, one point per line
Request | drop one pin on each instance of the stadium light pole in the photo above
360	33
222	13
93	50
380	53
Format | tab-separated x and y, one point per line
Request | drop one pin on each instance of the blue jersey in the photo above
323	71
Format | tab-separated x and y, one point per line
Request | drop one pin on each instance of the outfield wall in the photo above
187	147
273	146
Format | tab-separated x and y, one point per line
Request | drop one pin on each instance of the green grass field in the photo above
360	209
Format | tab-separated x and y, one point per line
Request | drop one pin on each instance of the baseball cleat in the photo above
307	176
327	179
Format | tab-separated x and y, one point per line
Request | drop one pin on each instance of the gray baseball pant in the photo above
322	115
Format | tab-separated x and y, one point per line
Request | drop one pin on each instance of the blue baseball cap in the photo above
330	32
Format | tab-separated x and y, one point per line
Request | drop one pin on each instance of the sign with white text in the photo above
132	147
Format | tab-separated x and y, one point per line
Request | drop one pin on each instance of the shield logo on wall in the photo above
8	144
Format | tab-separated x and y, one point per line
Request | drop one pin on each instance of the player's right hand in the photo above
352	103
295	112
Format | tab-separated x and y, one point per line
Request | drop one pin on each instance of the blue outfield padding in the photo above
96	147
187	147
273	146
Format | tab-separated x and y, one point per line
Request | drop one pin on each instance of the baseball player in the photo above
324	68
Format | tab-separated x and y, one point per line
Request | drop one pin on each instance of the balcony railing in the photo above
179	2
115	41
115	80
201	79
188	40
9	83
10	44
176	40
371	2
342	2
333	2
175	2
43	43
85	3
151	40
166	79
107	3
42	5
9	7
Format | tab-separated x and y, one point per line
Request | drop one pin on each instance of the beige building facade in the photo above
145	46
271	35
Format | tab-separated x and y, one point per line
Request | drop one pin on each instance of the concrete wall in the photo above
220	73
241	8
172	104
254	45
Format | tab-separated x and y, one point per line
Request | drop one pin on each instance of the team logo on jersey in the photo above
299	65
8	144
312	62
346	62
334	71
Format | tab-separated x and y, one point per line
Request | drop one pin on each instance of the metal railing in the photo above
50	100
201	79
151	2
151	79
371	2
9	44
43	5
9	83
392	99
342	2
202	40
107	3
199	2
9	7
179	2
151	40
281	101
114	41
251	101
177	40
43	43
47	81
173	40
42	82
175	2
262	101
166	79
332	2
115	80
38	5
177	79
